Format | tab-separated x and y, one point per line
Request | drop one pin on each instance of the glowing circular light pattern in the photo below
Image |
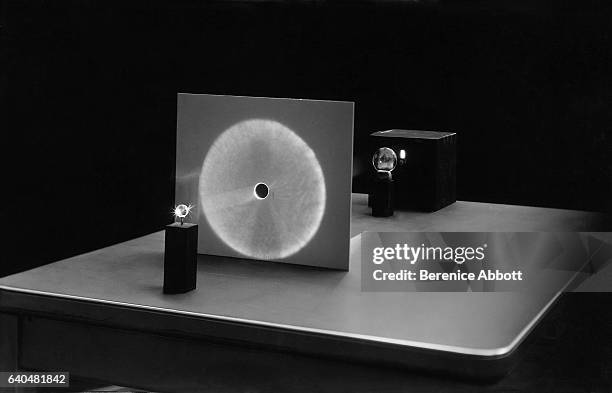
384	159
262	189
181	211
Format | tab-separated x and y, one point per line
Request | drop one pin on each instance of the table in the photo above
102	315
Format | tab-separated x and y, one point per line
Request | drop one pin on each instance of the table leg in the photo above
9	346
9	334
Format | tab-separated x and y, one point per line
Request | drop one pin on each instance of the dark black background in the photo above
88	97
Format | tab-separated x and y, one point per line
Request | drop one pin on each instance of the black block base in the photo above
381	198
425	175
180	258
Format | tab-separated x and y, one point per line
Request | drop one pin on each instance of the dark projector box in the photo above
425	175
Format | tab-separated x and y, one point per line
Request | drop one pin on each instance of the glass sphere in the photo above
384	159
181	211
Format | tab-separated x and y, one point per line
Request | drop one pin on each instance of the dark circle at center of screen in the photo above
261	190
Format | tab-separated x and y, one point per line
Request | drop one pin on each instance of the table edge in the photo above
490	353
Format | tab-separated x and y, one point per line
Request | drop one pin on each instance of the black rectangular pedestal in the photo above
180	258
425	175
381	197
